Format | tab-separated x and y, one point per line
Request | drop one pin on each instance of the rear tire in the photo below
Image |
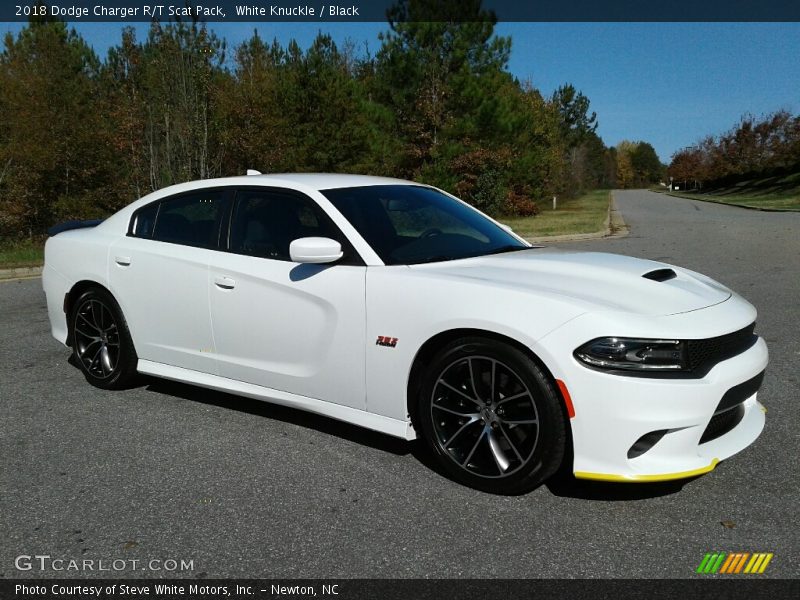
101	343
490	416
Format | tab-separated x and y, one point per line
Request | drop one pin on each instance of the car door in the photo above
159	274
297	328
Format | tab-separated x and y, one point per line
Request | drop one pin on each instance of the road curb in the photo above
20	273
614	227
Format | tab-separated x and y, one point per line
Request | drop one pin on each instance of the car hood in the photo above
594	280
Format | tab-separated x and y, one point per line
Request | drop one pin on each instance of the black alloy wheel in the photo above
101	343
492	418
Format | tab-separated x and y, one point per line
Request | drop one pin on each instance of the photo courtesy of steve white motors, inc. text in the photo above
172	11
170	589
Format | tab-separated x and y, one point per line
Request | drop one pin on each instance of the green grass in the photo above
29	253
586	214
779	200
777	193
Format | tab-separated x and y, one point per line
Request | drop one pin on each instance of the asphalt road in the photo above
243	488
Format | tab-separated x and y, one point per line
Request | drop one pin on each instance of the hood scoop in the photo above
660	275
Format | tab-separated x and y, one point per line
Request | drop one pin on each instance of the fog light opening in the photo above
647	441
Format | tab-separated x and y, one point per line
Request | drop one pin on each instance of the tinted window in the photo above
192	220
144	220
265	222
408	224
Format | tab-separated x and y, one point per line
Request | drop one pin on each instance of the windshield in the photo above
409	224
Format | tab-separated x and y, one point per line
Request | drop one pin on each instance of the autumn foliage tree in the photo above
756	147
80	136
638	165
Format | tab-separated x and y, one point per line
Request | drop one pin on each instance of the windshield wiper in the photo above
508	248
438	258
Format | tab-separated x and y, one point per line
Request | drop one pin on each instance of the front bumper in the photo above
613	411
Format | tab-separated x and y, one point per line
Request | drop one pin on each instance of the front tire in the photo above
490	416
101	343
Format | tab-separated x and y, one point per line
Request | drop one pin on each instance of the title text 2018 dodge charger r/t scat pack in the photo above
397	307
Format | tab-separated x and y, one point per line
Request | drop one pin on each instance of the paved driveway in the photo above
242	488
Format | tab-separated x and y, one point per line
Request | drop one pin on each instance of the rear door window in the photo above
189	219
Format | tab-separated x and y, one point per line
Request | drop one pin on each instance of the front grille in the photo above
721	423
702	355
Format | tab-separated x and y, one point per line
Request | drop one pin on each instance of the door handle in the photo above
123	261
225	283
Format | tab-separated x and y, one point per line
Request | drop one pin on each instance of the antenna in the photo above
253	172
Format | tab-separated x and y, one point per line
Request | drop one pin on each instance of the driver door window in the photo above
265	223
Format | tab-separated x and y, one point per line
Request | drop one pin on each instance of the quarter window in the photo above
144	220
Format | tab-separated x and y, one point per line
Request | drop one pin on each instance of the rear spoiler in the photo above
67	225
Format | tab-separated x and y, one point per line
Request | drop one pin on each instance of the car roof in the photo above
327	181
298	181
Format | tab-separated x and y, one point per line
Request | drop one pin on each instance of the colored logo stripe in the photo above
758	563
727	564
711	562
734	562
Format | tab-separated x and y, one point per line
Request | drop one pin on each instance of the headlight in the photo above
634	354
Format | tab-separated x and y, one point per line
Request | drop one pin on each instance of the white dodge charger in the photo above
400	308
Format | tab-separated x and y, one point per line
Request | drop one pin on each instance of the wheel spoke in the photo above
458	391
106	317
514	397
475	447
89	323
94	358
89	345
454	412
98	319
105	360
492	394
460	429
472	379
519	421
87	335
510	443
497	452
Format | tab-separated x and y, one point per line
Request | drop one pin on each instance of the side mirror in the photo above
506	227
315	250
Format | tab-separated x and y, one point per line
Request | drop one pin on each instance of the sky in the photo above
668	84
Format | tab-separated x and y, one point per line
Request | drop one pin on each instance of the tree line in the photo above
758	147
81	137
